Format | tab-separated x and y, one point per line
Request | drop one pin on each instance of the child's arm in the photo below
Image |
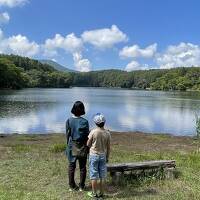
108	149
89	141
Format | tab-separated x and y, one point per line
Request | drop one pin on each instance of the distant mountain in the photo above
56	66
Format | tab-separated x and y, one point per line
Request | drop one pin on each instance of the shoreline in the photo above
115	88
112	132
130	141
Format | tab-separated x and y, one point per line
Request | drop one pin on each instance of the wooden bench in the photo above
117	170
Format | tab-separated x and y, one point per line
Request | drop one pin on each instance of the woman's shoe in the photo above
81	188
73	189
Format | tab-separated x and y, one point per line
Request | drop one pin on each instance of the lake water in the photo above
46	110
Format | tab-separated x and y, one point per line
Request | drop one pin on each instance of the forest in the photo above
21	72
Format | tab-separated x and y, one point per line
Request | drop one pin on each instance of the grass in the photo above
35	167
57	148
20	148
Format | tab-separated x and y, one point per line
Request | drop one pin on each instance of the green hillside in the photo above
20	72
56	66
155	79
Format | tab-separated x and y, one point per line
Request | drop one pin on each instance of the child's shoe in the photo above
92	195
101	196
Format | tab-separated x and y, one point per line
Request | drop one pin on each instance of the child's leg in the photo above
94	186
94	175
101	185
102	173
93	194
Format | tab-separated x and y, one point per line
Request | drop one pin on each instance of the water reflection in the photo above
45	110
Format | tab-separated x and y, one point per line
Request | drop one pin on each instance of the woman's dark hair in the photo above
78	108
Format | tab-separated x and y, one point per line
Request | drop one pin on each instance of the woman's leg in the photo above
71	172
83	171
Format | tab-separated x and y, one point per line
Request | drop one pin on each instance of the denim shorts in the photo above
97	164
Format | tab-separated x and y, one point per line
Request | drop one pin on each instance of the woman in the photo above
77	130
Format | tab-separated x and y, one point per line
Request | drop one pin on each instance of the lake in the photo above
46	110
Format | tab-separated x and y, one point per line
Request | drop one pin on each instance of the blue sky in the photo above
92	35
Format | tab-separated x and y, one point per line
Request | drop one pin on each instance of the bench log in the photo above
117	170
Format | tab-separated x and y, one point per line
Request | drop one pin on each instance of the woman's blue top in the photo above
77	129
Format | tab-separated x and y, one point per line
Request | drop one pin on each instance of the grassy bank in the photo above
35	167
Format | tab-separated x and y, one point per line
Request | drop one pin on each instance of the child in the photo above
77	130
99	143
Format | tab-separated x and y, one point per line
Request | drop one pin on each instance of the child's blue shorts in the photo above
97	166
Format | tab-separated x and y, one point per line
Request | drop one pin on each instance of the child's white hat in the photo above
99	118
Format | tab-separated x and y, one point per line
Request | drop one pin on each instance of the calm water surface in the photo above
46	110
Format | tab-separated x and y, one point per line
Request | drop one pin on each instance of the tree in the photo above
11	76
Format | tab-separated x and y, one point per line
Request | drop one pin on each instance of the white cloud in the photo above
82	65
22	46
54	60
19	45
184	54
12	3
181	55
135	51
4	18
104	38
134	65
69	43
